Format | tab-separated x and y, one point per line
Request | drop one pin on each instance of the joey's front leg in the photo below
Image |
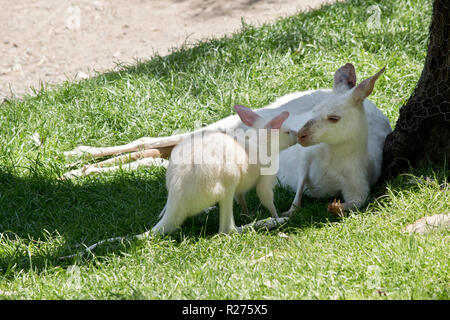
264	189
339	208
336	208
226	222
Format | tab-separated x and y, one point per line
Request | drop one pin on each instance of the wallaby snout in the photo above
304	134
293	135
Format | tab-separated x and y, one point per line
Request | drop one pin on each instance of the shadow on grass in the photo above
245	48
48	213
281	37
43	218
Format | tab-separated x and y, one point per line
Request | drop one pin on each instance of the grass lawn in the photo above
314	256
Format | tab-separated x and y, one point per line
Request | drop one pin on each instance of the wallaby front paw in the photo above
336	208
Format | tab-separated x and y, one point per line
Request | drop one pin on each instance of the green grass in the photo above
316	256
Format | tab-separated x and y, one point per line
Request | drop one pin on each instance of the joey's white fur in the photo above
226	172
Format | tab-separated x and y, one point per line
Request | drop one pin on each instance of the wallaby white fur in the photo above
193	187
341	142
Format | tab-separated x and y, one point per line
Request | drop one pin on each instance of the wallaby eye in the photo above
333	118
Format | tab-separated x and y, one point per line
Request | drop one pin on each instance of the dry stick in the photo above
267	224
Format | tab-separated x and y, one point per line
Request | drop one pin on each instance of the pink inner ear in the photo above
247	115
277	122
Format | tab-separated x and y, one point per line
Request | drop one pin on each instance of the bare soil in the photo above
49	41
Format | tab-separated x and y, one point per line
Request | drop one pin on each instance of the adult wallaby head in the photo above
340	118
287	137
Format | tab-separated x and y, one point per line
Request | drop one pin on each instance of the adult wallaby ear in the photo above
248	116
277	122
344	78
365	88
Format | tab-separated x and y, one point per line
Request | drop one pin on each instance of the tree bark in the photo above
422	132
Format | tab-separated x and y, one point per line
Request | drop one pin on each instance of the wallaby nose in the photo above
294	135
304	133
302	137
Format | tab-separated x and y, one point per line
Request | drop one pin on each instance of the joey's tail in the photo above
92	247
267	224
163	211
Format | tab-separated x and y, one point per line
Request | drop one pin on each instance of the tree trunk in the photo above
422	131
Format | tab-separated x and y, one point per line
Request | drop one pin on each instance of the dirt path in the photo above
55	40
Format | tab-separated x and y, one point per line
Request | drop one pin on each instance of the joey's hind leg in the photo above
297	203
298	196
173	217
226	224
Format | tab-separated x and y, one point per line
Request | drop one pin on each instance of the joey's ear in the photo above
277	122
344	78
365	88
248	116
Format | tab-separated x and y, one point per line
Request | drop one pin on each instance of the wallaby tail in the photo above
163	211
269	223
92	247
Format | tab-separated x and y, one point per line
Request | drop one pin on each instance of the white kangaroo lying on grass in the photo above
342	140
341	136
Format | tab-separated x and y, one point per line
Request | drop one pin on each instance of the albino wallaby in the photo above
225	170
338	152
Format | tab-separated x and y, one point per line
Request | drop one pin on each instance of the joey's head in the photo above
287	136
340	118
